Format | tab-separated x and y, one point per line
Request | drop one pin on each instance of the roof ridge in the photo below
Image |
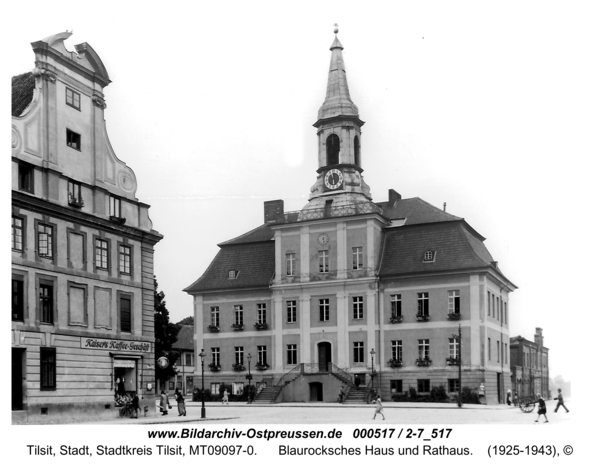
226	242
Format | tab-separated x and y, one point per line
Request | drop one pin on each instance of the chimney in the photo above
393	196
273	210
539	339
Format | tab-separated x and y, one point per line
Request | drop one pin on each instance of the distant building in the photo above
184	377
529	366
82	247
349	289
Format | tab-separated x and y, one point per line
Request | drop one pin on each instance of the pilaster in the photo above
342	329
278	335
305	329
342	254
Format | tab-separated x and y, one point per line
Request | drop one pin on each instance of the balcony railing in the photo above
422	317
423	361
327	212
396	319
76	202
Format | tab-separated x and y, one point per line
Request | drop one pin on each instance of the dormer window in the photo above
429	256
232	274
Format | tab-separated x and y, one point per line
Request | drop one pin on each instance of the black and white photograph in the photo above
288	232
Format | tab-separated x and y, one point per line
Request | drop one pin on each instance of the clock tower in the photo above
339	178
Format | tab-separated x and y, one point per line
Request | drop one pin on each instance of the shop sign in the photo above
115	345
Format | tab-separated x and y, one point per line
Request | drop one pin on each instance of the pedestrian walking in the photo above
180	403
135	405
378	407
516	399
225	399
508	397
560	402
164	403
541	408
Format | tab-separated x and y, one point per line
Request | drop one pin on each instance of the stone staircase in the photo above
357	396
267	395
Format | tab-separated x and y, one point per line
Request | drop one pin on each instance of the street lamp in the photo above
373	366
249	378
202	355
459	337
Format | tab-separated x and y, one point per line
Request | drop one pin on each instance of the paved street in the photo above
326	413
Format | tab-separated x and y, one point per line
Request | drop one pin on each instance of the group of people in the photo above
165	404
541	403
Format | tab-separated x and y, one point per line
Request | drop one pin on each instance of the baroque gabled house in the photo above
82	247
349	290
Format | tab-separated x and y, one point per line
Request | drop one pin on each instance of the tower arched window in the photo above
357	151
333	149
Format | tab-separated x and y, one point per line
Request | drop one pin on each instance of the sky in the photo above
489	107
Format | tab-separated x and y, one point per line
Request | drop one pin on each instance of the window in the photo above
422	385
189	361
238	315
396	301
47	369
423	304
324	309
357	307
101	254
239	355
262	354
125	313
215	389
125	259
17	299
26	172
489	348
498	351
453	347
489	305
356	151
323	261
396	386
453	385
453	301
261	312
397	350
292	354
114	207
17	233
73	98
429	256
74	193
215	356
332	146
359	352
45	240
237	389
290	264
291	311
505	352
171	384
46	295
357	257
493	306
73	140
214	316
424	349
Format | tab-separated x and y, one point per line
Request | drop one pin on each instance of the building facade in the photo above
348	289
530	374
82	247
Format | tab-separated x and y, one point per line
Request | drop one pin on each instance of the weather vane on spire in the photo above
335	28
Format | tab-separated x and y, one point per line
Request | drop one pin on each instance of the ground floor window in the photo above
171	385
237	389
47	369
422	385
214	388
396	386
453	385
189	384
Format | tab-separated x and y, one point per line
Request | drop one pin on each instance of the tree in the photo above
189	321
165	335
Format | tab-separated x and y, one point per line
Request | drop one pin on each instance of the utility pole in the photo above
459	365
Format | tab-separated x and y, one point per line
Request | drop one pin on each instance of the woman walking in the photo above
164	403
378	408
541	408
180	403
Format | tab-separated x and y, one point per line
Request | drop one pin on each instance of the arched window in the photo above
333	149
357	151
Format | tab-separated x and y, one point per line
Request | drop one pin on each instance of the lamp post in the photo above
203	411
373	366
249	378
459	337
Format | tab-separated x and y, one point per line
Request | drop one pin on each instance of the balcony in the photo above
261	326
394	363
395	319
451	360
237	327
262	366
76	202
328	212
238	367
454	316
423	361
118	220
422	317
213	328
214	367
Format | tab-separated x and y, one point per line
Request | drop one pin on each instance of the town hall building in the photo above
350	291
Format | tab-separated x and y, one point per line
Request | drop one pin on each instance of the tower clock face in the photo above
323	239
333	179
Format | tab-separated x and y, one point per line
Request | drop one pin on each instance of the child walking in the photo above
541	408
378	407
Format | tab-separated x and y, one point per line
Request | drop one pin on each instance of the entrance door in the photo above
17	379
316	392
324	356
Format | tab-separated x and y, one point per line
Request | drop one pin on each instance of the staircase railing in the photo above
337	371
289	376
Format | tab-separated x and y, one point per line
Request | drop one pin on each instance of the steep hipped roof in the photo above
262	233
185	338
22	92
455	245
415	211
